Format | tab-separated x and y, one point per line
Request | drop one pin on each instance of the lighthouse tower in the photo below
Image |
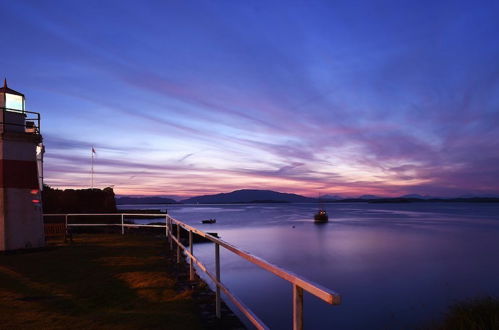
21	151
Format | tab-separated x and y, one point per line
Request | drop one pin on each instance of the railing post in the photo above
178	243
297	307
191	264
217	274
122	225
170	229
66	231
166	226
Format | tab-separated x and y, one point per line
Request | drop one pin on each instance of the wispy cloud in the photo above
222	96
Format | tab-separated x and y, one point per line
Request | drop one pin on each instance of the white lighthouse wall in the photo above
23	220
18	149
3	243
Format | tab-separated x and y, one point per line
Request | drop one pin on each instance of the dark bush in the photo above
474	314
78	201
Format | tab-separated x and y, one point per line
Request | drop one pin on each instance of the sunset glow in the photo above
312	98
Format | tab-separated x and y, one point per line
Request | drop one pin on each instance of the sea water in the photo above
396	266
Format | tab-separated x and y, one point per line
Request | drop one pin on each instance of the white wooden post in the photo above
166	226
122	225
297	307
170	229
178	245
217	274
191	264
66	231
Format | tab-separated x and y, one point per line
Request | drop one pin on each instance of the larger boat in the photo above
321	216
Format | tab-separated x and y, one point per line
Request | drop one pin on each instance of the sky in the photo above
181	98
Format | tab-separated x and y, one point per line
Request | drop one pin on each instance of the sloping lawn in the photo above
100	281
474	314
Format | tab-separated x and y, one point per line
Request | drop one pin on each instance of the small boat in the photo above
209	221
321	216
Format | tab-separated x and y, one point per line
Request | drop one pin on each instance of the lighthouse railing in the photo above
29	123
299	284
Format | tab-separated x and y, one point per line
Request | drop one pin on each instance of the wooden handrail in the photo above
329	296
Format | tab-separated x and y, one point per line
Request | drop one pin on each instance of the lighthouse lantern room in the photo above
21	178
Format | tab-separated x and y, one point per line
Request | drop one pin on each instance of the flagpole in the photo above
92	171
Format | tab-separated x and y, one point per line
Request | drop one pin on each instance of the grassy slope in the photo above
101	281
475	314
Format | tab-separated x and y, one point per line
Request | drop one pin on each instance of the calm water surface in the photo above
397	266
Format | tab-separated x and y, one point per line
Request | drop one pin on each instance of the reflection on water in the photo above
396	265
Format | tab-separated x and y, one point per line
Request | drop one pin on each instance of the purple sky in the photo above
194	97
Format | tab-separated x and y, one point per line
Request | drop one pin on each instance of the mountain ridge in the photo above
270	196
144	200
249	196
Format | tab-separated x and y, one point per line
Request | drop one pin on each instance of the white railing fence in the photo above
299	283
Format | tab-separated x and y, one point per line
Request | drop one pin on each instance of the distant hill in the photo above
269	196
144	200
369	197
417	196
479	196
249	196
330	197
435	200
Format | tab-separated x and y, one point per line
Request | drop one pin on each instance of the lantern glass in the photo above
14	102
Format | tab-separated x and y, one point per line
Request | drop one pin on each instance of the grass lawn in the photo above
474	314
100	281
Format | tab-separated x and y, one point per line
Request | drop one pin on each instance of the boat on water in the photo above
209	221
321	216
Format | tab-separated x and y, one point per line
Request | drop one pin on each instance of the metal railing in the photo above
299	283
31	121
